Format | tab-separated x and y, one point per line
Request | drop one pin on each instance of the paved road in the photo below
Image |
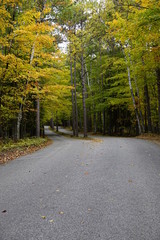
106	189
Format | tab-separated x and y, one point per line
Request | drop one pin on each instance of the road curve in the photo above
105	189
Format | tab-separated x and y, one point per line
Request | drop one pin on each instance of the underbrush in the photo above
27	142
11	150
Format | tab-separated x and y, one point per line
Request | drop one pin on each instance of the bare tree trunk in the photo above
133	100
103	112
83	96
139	106
52	123
56	122
19	122
158	88
83	85
72	91
147	102
132	94
94	122
137	91
75	95
104	122
38	118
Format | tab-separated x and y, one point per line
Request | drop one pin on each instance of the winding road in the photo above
102	189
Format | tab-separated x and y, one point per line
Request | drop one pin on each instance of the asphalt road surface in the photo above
105	189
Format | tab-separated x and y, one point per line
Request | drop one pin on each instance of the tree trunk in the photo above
158	88
99	122
75	95
133	100
38	118
103	112
132	94
104	122
147	101
56	122
19	122
139	106
52	123
72	91
83	97
148	108
94	122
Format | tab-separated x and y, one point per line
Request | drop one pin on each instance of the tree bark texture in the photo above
73	102
148	108
132	94
38	118
133	100
75	98
158	88
83	96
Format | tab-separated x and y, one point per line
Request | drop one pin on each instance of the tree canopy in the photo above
108	79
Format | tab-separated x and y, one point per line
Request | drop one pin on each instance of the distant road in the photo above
105	189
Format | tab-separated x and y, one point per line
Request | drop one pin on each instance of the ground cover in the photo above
10	149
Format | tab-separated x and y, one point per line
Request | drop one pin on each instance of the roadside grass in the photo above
10	149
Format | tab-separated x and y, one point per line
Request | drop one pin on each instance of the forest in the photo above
106	79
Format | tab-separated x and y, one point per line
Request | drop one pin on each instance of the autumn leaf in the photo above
51	221
61	213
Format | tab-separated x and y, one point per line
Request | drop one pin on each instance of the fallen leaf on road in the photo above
130	181
51	221
43	217
86	173
61	212
97	140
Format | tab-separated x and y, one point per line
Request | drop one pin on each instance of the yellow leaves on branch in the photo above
24	79
146	3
